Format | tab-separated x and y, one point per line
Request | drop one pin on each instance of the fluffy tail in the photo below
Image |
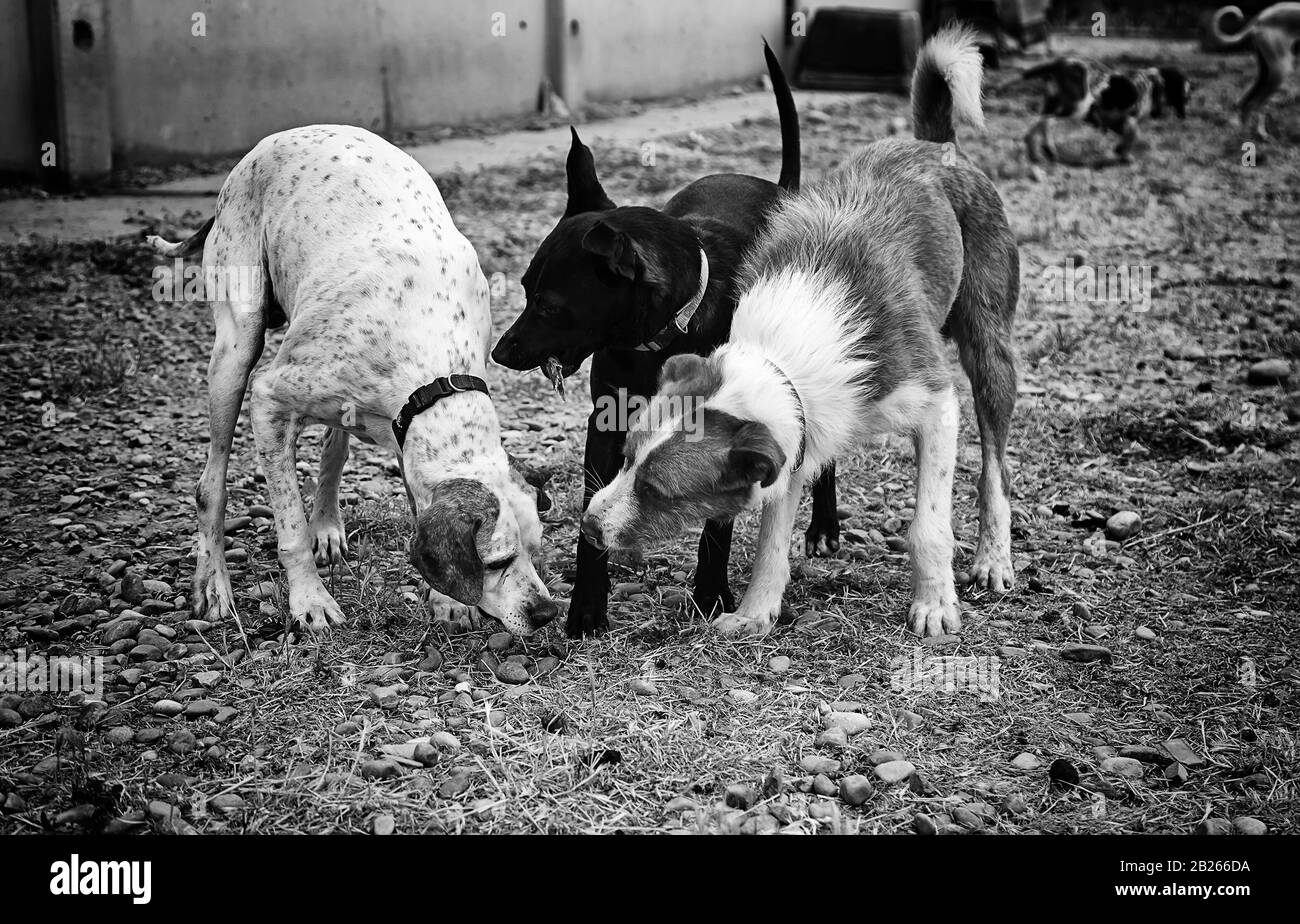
946	85
1228	41
191	245
789	117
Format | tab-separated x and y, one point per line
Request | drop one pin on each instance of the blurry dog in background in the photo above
1111	101
1273	36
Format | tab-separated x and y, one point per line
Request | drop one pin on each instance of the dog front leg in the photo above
934	595
712	592
761	608
589	605
276	430
822	540
329	539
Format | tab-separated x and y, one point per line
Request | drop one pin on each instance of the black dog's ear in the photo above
755	455
585	191
615	246
445	546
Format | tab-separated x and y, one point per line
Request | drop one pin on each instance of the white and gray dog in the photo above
838	336
347	240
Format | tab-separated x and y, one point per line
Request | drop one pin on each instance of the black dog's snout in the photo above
504	350
544	612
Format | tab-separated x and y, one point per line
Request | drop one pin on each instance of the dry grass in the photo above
1106	421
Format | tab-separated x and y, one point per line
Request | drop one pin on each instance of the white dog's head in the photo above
479	543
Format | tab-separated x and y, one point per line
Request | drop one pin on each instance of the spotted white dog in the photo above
347	240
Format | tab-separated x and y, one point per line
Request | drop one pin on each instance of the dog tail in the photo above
946	85
1228	41
789	116
193	244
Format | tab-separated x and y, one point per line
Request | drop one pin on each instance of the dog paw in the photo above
213	599
312	608
993	570
329	543
821	541
741	624
711	603
935	613
455	616
586	617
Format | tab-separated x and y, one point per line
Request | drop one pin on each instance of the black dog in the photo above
631	287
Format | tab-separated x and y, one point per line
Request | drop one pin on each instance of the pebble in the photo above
966	817
167	818
511	672
381	769
454	785
779	665
500	641
182	742
680	804
199	708
1012	653
1146	754
1146	634
167	707
1214	826
744	697
835	737
642	686
122	734
940	641
383	824
924	824
894	771
1269	372
1179	751
9	718
823	786
849	681
1123	525
445	741
883	757
1126	767
225	714
814	764
227	803
385	697
346	729
1248	825
1026	761
853	723
1085	654
856	789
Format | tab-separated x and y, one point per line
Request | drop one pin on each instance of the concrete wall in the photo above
268	65
624	50
19	146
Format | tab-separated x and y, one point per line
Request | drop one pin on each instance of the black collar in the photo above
798	406
426	396
682	319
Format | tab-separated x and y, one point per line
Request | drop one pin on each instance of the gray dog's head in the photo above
478	543
680	472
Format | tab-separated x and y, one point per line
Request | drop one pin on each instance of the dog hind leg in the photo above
1276	61
240	337
329	539
981	325
934	608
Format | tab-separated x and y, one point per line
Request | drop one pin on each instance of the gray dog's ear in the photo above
585	192
445	546
755	455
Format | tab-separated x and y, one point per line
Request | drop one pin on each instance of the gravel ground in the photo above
1141	677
